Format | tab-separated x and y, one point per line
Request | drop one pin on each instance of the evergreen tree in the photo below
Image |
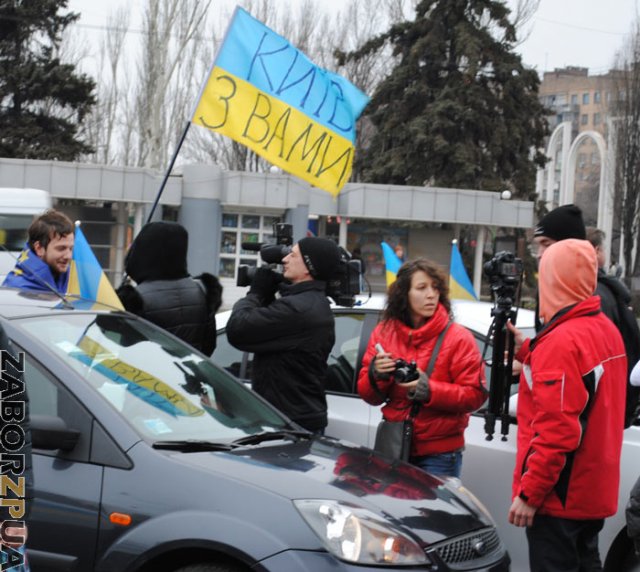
42	100
459	109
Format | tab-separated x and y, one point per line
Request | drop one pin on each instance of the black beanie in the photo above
159	252
321	256
562	223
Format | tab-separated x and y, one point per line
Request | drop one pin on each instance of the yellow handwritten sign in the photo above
120	371
269	96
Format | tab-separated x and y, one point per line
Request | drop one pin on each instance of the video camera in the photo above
270	253
342	287
504	271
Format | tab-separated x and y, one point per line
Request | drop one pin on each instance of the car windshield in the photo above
160	385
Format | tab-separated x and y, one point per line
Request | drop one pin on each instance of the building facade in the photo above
580	167
223	211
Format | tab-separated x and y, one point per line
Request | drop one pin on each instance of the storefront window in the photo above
238	229
230	220
227	267
228	245
253	238
250	221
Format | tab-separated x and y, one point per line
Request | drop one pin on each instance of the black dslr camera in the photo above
270	253
504	271
405	371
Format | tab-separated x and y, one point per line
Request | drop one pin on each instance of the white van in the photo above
17	209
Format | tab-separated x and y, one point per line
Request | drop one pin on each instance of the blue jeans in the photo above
442	464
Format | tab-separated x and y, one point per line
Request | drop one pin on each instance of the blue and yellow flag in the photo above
460	286
86	277
391	262
269	96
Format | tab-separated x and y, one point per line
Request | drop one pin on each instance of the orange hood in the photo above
568	274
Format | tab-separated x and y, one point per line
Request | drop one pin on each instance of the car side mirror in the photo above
50	433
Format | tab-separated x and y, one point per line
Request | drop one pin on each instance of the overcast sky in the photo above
584	33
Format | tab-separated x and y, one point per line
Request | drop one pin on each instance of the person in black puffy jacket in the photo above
291	336
165	293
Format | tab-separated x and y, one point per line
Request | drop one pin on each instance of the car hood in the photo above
322	468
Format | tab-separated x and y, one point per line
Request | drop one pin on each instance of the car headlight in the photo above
358	535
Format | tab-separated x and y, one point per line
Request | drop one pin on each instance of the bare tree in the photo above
103	124
625	113
140	118
521	14
170	26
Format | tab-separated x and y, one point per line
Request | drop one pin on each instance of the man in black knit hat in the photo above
559	224
291	336
566	222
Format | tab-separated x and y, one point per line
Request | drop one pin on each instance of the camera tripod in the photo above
501	368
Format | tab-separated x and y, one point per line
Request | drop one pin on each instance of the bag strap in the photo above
430	366
436	350
415	407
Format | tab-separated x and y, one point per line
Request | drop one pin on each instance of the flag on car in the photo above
460	286
391	262
86	277
269	96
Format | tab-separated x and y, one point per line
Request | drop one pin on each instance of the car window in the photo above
164	389
228	357
343	357
48	397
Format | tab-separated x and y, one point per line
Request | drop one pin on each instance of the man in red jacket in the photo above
570	416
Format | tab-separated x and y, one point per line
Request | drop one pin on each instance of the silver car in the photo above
487	466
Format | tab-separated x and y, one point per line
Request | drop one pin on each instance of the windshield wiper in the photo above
193	445
273	436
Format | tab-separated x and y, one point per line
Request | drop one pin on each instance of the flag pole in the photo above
186	129
168	172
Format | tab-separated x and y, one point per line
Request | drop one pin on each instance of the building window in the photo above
585	99
597	119
584	119
596	97
238	229
574	99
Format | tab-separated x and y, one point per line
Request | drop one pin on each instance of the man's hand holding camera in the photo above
265	284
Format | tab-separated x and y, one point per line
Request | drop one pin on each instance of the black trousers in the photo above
564	545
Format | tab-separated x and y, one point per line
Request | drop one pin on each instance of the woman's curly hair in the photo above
397	307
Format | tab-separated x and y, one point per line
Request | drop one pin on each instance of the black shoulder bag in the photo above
393	438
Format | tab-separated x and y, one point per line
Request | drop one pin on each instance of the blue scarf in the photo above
31	273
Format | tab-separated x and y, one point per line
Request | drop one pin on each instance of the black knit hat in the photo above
562	223
159	252
321	256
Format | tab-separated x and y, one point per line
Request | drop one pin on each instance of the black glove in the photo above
265	284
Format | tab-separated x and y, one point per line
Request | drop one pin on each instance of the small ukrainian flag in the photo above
86	277
460	286
392	263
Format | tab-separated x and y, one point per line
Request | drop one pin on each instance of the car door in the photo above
67	486
348	413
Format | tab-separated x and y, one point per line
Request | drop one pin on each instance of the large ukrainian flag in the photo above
391	262
86	277
269	96
460	286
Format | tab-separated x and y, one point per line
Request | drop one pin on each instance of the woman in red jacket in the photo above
417	311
